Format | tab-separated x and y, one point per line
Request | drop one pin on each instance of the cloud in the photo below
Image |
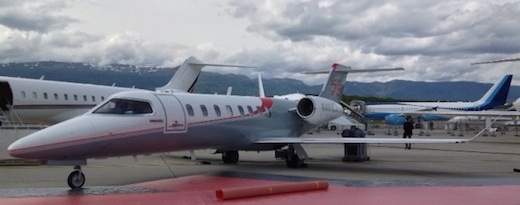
34	16
434	40
442	37
383	27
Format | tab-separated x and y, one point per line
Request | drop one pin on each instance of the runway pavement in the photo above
487	161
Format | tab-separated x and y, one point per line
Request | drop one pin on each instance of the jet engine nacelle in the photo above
318	110
395	119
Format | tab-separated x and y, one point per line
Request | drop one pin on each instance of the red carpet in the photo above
201	190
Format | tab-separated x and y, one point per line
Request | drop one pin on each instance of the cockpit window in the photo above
124	107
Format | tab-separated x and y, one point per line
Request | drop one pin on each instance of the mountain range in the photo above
149	77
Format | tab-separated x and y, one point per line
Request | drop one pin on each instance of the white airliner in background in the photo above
36	101
143	122
394	113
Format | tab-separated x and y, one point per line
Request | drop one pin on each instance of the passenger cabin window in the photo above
55	96
66	96
23	94
241	110
229	110
75	97
204	110
35	95
124	107
93	98
217	110
189	109
45	96
250	110
84	98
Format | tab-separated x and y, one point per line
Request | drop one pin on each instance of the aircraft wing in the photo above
369	140
338	140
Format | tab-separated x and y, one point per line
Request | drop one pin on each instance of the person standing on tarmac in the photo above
408	127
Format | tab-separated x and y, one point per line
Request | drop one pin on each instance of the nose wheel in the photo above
76	178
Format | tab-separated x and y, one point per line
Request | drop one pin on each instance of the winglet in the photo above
186	76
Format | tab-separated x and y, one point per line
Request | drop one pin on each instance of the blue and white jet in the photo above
394	113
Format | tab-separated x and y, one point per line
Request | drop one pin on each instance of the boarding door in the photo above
174	114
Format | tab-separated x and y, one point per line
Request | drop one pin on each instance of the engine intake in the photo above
318	110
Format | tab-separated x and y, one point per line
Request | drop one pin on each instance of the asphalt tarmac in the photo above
486	161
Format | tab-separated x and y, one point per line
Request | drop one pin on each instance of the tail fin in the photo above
496	95
261	92
333	87
187	75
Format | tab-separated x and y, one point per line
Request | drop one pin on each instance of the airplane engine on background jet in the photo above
318	110
395	119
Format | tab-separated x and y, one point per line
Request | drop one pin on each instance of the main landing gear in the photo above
294	156
76	179
230	157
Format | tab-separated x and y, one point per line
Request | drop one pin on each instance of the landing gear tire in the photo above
76	179
230	157
293	161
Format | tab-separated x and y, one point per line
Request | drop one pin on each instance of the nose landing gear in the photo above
76	179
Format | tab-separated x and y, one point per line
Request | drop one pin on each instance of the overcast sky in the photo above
433	40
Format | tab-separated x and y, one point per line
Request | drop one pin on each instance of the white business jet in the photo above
142	122
39	101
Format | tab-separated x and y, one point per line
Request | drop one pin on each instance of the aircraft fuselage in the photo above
47	102
165	122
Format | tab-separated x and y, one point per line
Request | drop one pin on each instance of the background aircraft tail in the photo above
187	75
496	95
333	87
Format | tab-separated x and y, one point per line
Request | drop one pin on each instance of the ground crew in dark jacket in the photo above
408	127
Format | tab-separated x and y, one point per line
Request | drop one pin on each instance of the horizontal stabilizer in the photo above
347	69
497	61
221	65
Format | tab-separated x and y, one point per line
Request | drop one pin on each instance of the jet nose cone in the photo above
28	146
24	147
14	148
61	140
